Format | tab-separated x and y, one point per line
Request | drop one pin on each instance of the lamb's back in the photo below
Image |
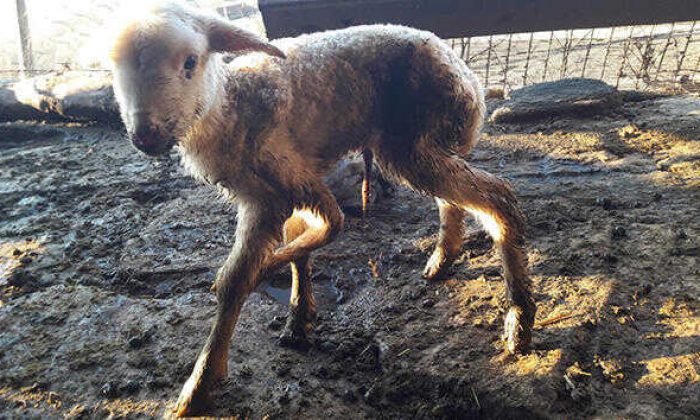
347	85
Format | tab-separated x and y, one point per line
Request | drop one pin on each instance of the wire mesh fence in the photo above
67	35
656	57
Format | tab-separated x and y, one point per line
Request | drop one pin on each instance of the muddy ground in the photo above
106	258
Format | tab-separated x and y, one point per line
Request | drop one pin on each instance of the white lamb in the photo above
267	127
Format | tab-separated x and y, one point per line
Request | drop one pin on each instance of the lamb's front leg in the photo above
256	233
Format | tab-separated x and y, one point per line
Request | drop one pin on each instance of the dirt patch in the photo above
106	258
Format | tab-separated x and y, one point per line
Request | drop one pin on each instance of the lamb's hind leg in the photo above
492	202
302	308
449	240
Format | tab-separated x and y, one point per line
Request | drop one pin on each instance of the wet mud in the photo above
106	259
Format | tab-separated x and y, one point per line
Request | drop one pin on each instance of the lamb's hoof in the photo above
193	400
297	330
517	332
437	266
195	395
294	340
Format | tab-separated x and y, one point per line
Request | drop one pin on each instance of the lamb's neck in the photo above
206	148
213	149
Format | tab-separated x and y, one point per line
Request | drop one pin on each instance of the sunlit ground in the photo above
13	256
34	397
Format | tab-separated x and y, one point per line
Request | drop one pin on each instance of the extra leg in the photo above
324	220
449	240
256	233
302	307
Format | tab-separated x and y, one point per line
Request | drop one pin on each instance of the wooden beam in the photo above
457	18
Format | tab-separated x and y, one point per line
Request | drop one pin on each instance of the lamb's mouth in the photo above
153	147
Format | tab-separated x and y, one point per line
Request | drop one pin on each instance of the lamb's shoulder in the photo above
257	93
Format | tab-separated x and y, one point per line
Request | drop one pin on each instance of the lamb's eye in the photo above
190	63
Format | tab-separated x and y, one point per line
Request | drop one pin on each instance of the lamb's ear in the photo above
224	37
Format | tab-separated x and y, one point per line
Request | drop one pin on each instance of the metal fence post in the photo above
26	59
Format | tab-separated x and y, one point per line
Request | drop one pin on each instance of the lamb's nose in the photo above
146	138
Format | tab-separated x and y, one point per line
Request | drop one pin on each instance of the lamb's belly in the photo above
327	142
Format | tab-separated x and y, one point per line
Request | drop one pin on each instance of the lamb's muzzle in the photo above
267	127
151	140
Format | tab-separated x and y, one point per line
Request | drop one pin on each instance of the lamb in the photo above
267	126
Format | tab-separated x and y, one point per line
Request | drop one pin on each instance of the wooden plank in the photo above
455	18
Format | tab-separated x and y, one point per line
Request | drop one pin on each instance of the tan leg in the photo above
302	307
256	233
324	219
500	214
492	201
449	240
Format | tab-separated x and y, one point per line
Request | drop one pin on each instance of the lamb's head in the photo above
166	72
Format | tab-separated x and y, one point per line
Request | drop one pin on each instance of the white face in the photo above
164	75
161	82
